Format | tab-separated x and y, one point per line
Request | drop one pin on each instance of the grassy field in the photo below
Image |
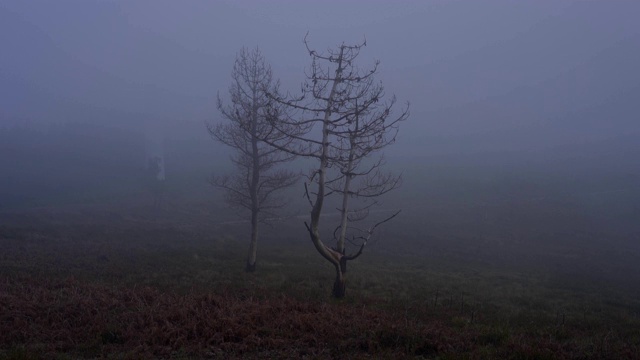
94	283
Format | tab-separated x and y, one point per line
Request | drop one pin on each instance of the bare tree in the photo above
257	177
346	105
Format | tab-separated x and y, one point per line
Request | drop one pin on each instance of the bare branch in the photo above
341	120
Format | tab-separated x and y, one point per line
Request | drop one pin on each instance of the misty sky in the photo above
480	75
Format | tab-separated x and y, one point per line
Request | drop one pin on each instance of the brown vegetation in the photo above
50	316
128	289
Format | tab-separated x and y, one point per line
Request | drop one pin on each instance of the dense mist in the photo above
522	113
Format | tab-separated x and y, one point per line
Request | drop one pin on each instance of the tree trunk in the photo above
253	245
339	285
344	211
253	188
344	214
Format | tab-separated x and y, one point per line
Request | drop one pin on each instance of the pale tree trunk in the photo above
344	214
253	188
344	211
341	268
253	245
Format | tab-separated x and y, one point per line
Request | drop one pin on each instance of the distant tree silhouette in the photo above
245	129
156	180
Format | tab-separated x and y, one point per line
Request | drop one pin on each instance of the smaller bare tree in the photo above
257	177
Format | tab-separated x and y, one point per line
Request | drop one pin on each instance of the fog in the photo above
524	127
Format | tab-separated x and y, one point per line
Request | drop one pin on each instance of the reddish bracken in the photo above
46	317
65	316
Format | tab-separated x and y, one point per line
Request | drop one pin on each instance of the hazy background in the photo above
523	136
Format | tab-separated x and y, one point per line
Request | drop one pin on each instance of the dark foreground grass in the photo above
127	288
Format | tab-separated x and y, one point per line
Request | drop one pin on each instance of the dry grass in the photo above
123	289
46	317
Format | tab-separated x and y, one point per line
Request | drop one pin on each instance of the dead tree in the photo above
257	177
346	106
